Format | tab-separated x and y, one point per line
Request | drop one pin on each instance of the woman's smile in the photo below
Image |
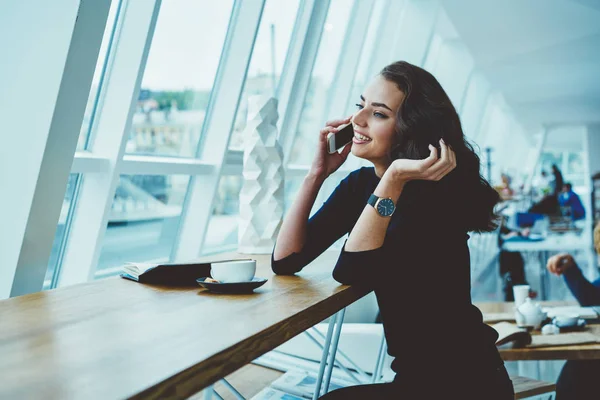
359	138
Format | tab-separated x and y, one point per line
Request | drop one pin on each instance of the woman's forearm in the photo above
370	229
292	234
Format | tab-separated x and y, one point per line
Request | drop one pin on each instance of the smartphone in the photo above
337	140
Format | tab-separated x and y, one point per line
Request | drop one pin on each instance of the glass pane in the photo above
143	221
315	104
60	234
268	56
366	70
179	77
90	108
223	226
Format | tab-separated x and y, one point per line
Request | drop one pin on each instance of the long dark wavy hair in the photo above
426	115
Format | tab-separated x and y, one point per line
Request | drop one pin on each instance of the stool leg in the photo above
324	357
334	346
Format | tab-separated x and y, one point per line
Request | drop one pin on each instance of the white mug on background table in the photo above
520	292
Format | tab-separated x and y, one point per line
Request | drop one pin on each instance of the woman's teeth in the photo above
362	138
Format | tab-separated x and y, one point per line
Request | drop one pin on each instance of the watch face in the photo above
385	207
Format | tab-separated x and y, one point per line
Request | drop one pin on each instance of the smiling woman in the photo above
407	218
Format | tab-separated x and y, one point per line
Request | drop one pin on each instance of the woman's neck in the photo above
380	168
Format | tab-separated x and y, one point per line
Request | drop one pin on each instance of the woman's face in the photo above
374	121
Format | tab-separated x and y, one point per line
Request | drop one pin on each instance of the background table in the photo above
576	352
116	338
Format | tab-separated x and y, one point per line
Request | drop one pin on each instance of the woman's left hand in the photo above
431	168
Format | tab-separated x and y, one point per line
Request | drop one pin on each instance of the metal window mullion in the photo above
218	126
347	64
298	69
73	87
389	27
152	165
88	163
113	121
349	58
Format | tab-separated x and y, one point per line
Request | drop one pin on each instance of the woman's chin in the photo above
360	153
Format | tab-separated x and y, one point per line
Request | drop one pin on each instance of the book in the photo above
508	332
179	274
302	384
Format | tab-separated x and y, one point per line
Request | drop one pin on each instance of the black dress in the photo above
421	278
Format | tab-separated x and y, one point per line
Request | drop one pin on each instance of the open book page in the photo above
136	269
508	332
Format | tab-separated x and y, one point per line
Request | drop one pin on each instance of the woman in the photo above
417	259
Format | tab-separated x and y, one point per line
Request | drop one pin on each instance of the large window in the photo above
143	221
570	164
222	234
366	70
99	74
179	76
315	108
60	235
268	57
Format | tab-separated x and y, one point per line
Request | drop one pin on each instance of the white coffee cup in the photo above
233	271
521	292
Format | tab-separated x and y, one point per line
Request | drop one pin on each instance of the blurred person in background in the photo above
570	203
548	205
505	191
577	380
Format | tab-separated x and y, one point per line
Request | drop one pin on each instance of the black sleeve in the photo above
333	220
358	267
586	293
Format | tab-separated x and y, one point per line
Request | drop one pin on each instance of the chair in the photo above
527	387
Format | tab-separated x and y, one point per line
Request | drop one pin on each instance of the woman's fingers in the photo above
431	160
346	151
324	132
451	164
444	165
337	122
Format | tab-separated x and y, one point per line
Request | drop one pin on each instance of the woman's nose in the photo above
358	118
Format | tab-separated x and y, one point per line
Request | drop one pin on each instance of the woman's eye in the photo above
380	115
359	106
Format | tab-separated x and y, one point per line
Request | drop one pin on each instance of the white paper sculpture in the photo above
261	197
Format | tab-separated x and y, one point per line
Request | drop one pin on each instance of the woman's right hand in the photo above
324	164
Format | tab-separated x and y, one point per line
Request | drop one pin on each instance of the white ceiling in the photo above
543	55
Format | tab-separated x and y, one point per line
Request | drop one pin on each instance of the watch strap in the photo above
373	200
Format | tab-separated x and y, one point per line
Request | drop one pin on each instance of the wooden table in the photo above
575	352
114	338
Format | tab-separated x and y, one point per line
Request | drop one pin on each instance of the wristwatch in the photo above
384	206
